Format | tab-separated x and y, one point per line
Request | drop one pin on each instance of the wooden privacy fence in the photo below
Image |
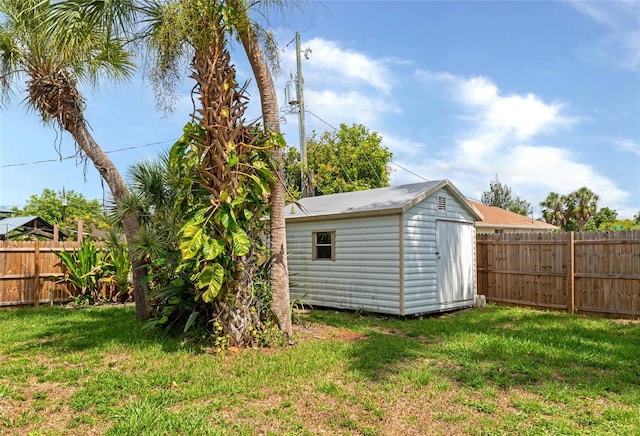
583	272
29	271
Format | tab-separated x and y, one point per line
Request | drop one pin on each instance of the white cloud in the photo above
523	115
333	64
620	19
553	169
341	86
626	145
526	115
348	107
500	138
476	91
402	147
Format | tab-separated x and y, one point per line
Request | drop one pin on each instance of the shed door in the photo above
455	262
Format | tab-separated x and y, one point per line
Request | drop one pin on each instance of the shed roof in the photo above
497	217
32	224
393	199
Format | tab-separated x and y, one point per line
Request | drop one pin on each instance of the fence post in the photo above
36	274
571	306
80	231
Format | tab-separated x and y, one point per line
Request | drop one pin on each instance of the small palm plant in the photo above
117	267
83	269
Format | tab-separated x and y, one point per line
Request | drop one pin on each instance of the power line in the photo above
309	112
409	171
75	155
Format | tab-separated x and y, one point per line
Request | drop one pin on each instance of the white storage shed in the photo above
402	250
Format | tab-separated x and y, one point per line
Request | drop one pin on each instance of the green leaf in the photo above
264	187
152	323
241	243
233	160
212	248
225	197
191	244
193	235
227	218
176	155
192	318
211	278
277	139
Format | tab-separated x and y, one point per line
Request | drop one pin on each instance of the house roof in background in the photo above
372	201
497	217
29	223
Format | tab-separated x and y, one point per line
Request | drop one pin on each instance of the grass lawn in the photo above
496	370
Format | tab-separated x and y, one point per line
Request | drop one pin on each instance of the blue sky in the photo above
545	95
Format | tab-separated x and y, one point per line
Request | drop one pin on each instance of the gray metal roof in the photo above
12	223
372	201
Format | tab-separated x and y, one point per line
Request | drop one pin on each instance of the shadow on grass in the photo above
65	330
502	347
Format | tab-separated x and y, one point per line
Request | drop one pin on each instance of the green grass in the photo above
496	370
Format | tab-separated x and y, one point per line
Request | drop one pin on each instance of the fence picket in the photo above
29	272
578	272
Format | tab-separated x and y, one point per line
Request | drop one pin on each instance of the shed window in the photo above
442	203
324	245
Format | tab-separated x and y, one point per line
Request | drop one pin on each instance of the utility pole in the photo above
64	203
305	182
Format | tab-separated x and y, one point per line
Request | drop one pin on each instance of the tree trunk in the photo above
119	190
279	273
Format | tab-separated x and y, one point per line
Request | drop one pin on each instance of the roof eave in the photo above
453	190
342	215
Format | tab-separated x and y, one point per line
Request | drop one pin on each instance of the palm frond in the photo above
11	56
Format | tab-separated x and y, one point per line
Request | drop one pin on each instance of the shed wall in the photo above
420	264
365	274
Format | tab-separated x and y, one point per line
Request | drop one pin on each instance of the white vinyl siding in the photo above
365	273
383	261
420	263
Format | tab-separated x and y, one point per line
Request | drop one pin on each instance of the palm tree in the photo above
191	30
554	209
248	34
153	199
581	205
34	44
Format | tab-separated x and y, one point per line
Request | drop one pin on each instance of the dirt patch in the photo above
626	321
323	332
44	399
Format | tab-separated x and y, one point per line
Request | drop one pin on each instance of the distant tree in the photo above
350	159
581	205
292	173
553	210
571	226
519	206
600	219
499	195
49	206
618	225
636	218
